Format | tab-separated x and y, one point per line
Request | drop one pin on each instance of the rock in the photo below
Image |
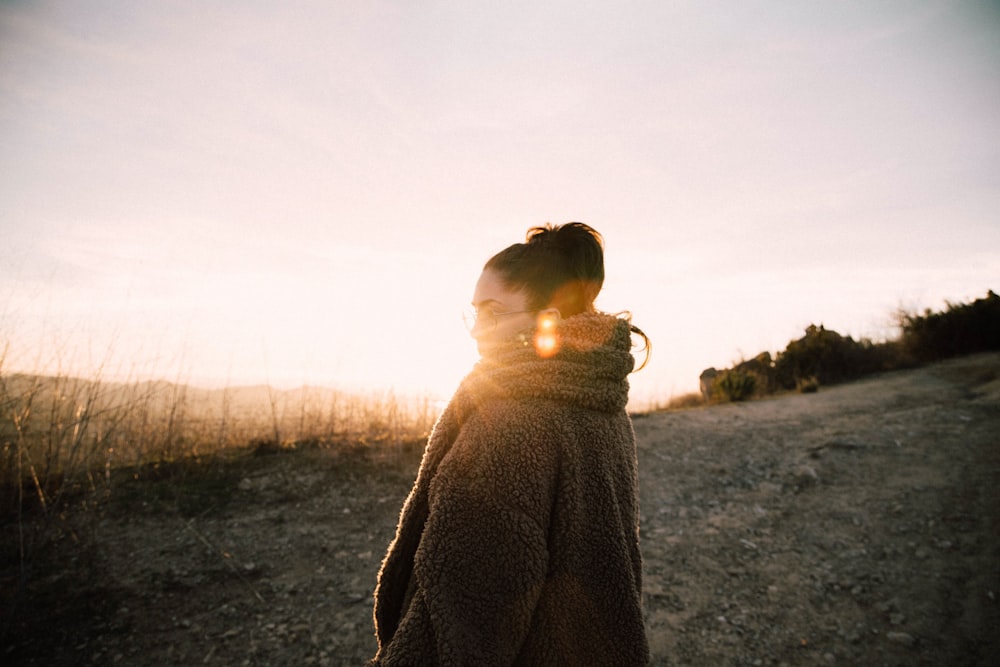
805	477
889	605
903	638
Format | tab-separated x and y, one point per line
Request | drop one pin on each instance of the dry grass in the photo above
681	402
63	435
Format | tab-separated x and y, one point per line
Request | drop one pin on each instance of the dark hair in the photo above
557	265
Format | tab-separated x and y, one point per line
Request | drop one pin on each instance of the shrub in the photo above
735	385
809	385
823	356
826	357
961	329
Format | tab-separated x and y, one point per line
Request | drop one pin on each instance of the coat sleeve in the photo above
483	557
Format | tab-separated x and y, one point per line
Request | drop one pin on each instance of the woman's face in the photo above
501	311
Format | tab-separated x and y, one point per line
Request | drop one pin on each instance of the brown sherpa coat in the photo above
518	544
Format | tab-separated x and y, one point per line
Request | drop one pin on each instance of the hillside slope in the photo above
858	525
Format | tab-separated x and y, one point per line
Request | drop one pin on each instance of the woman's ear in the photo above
576	296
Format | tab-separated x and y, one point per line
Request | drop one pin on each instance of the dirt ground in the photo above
859	525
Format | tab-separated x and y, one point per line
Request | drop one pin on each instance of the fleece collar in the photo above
588	367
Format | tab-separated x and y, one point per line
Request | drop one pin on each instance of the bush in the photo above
961	329
809	385
823	356
735	385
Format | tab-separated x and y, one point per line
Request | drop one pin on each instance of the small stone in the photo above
888	605
903	638
806	475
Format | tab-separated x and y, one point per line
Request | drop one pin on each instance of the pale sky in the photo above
305	193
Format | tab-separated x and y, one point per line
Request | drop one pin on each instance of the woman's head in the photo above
558	266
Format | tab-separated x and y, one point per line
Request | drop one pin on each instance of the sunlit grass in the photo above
67	435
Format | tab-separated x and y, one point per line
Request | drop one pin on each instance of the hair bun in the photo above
571	236
557	265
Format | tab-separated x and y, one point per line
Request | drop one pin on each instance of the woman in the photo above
518	544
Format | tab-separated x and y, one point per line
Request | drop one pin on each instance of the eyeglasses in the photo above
486	318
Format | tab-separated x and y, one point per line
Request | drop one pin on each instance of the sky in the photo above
230	193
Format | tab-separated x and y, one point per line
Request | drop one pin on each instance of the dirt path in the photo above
854	526
858	525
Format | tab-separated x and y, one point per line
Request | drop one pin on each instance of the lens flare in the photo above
547	337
